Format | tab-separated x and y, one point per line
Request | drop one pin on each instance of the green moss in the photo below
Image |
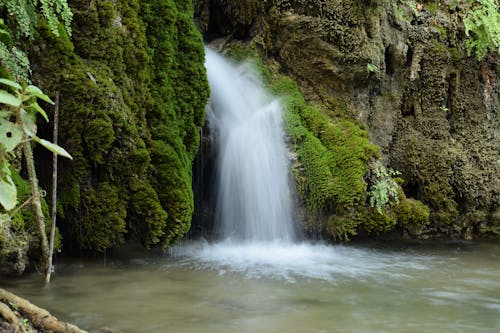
342	227
376	222
442	31
411	211
332	152
103	219
180	92
133	91
432	7
333	156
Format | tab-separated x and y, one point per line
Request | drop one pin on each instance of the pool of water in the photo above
274	287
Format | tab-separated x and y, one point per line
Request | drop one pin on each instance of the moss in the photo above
333	156
432	7
342	227
103	220
133	91
333	152
180	92
443	32
376	222
411	211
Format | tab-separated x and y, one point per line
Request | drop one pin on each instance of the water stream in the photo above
259	277
253	198
394	288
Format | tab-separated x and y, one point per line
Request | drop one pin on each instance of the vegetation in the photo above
135	136
18	124
132	95
482	26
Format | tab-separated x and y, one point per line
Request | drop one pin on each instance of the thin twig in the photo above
24	204
54	191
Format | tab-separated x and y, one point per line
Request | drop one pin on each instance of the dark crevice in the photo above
389	60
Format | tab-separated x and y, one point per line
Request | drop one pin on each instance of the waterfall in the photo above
252	192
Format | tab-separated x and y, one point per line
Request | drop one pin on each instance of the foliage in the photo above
15	63
17	126
24	12
133	91
411	211
371	68
332	161
384	188
484	23
180	91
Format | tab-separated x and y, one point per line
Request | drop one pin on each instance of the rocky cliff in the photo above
399	69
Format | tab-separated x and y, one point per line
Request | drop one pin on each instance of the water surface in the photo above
271	287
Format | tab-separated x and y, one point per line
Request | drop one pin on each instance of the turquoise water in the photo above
404	287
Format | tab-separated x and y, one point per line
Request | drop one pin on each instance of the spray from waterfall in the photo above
252	192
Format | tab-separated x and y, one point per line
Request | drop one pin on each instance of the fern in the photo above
55	12
484	23
13	59
384	188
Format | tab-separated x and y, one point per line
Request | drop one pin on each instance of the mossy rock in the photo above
133	92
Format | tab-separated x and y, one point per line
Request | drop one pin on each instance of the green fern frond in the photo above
482	26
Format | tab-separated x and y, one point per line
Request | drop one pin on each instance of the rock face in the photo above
402	70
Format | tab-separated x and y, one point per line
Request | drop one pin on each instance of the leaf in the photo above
4	218
11	134
37	108
53	147
29	123
8	193
9	99
35	91
12	84
5	114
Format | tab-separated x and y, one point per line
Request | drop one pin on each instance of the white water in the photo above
254	208
252	190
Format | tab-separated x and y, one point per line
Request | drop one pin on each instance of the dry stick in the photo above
54	192
35	192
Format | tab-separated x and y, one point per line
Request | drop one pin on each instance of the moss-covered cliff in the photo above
132	95
401	70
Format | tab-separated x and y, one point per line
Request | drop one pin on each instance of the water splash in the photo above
253	205
252	190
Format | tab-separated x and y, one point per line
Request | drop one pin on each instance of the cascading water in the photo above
253	205
252	190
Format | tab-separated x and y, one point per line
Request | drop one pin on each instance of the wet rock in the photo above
403	72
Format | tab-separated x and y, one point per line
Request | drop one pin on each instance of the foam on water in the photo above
289	261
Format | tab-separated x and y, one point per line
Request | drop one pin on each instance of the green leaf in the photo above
35	91
8	193
4	218
29	123
9	99
53	147
5	114
12	84
11	134
35	107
